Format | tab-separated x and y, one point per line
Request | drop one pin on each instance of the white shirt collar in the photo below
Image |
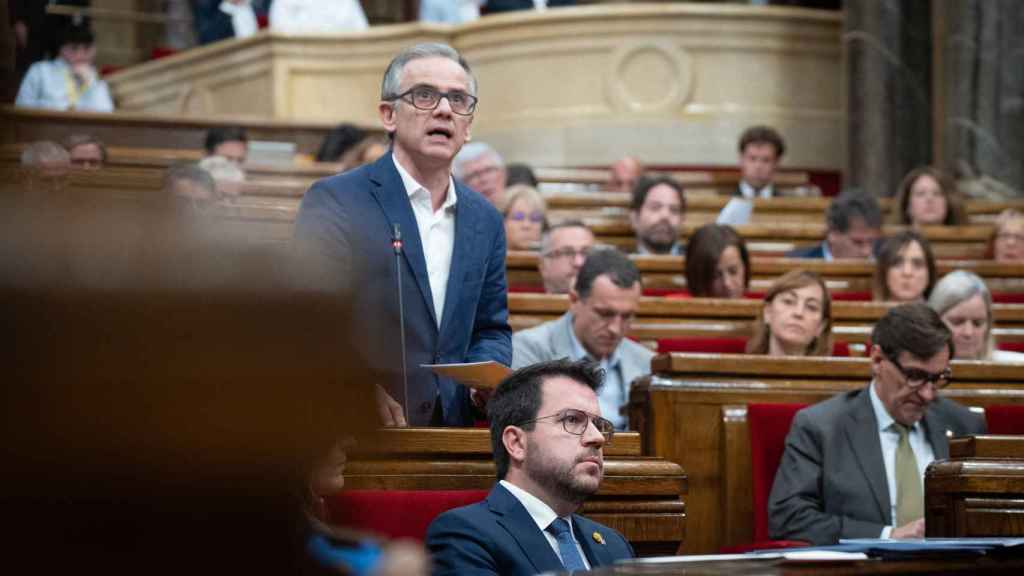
882	416
541	513
826	252
412	186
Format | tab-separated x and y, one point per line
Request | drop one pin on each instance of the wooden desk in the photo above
641	496
981	565
693	412
979	490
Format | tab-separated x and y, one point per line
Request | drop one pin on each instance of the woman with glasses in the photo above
525	217
1007	242
963	301
905	269
717	263
796	319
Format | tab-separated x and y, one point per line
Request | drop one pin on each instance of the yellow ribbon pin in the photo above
598	538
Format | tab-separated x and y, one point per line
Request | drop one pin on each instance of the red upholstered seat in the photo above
1008	297
769	424
851	296
1011	346
1005	419
396	513
658	292
698	344
525	289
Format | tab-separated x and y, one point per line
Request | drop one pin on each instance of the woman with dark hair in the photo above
927	197
905	270
717	263
338	141
796	319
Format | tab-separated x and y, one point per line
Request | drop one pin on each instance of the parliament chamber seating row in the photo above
695	410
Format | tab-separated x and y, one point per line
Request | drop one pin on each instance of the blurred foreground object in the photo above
169	393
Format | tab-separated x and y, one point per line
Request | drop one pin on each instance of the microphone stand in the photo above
396	244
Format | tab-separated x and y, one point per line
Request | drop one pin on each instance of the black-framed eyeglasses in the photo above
428	98
566	252
575	422
916	377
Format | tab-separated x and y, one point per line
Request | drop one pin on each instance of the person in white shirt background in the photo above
316	16
69	81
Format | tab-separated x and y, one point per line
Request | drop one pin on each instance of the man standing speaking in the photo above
450	270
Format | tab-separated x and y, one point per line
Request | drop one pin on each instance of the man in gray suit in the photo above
602	305
854	464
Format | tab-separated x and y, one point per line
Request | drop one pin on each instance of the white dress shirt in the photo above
748	191
316	16
613	395
890	440
437	234
543	516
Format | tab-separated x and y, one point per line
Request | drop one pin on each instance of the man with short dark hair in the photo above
854	465
761	148
70	81
406	210
230	142
563	249
659	205
601	308
86	151
853	223
547	435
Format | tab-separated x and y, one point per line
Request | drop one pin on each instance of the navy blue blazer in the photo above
346	221
498	536
816	251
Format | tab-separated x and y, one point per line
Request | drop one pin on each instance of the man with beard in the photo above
547	436
657	215
601	308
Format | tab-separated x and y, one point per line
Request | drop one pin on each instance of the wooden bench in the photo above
659	318
692	412
667	272
641	496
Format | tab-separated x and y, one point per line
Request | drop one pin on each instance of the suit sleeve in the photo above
492	336
796	506
457	547
321	240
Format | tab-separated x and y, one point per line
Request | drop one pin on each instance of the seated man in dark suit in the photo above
547	436
854	464
761	149
854	224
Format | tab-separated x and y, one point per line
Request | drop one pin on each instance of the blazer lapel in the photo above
861	432
936	431
588	535
514	518
465	239
389	190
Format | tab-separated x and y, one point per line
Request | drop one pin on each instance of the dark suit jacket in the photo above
346	220
498	536
495	6
815	252
831	482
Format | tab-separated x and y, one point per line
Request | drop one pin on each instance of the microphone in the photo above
396	244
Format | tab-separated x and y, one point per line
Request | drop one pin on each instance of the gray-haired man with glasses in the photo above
563	249
854	465
548	436
448	241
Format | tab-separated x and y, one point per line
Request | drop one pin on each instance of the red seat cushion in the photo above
525	288
704	345
769	424
1005	419
1008	297
851	296
396	513
1011	346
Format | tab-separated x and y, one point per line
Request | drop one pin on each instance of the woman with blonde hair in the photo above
927	197
525	215
796	319
964	303
1007	242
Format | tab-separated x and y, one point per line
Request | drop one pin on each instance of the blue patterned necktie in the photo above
566	545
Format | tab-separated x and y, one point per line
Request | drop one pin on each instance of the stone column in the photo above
887	51
983	63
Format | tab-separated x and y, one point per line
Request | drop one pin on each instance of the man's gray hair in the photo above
471	152
44	152
392	83
189	172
